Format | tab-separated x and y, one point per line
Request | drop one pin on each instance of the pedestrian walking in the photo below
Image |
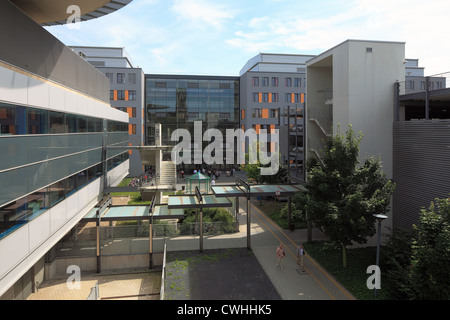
280	256
300	253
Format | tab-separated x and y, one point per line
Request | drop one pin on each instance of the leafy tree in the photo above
396	263
430	259
253	171
343	195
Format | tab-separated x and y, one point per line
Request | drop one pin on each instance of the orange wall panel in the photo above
265	113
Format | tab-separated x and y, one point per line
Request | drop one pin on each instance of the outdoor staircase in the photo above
168	173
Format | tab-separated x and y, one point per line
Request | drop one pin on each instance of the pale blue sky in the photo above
217	37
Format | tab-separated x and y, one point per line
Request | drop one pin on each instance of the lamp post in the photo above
379	218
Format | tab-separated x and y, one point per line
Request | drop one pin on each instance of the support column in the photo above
249	246
150	234
98	246
427	98
201	230
236	199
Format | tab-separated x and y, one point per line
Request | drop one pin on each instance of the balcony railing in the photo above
323	117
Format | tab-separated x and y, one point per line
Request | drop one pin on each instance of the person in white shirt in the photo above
300	254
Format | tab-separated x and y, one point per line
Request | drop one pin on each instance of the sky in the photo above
217	37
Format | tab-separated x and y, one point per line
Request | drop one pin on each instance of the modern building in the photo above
180	101
403	115
126	92
56	123
272	91
421	146
415	80
352	83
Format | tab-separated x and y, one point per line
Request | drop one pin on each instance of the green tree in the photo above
430	259
343	195
253	170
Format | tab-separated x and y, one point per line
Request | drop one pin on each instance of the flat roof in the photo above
116	213
258	190
191	201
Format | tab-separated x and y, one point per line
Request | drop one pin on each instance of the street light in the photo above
379	218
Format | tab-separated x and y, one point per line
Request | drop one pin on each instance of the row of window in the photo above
274	97
431	85
126	95
121	77
274	82
25	209
19	120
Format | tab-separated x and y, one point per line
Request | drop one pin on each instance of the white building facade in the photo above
56	124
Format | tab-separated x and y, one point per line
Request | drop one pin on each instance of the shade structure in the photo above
199	180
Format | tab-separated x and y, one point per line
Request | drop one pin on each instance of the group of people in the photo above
300	253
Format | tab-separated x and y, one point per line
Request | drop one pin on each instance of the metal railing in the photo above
163	274
323	117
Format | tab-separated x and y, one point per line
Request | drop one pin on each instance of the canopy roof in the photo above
257	190
198	176
191	201
116	213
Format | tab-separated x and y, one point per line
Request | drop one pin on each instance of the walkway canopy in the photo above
243	189
198	180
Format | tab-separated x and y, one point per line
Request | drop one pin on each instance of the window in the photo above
132	95
120	94
256	113
111	94
287	97
411	85
57	122
110	76
255	81
82	124
275	97
37	121
255	96
288	82
265	97
265	81
274	113
121	78
297	82
132	78
274	81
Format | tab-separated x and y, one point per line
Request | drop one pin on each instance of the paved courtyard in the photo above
223	274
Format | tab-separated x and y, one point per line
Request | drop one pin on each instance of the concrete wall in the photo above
363	74
30	47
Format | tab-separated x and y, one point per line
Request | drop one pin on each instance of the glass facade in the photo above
48	155
178	101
